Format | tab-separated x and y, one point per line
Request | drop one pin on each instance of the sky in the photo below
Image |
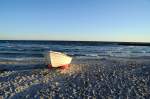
88	20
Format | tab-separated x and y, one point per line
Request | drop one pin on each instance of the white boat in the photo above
57	59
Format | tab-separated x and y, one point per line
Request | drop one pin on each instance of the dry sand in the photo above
106	78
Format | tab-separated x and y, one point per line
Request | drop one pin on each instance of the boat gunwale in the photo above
60	53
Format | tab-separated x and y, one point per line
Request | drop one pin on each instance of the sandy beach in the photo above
106	78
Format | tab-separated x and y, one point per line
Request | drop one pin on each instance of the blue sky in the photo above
96	20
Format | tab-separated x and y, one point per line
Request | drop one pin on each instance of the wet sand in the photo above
106	78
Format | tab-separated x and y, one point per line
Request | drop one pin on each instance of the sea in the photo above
24	50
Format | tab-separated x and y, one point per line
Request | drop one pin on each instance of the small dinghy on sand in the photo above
57	59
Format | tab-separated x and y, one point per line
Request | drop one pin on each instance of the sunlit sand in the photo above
85	78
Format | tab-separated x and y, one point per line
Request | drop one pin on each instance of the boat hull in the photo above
57	59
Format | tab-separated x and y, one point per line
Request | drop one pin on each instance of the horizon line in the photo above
74	40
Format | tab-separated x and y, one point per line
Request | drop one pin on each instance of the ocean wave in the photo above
25	49
20	58
19	54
